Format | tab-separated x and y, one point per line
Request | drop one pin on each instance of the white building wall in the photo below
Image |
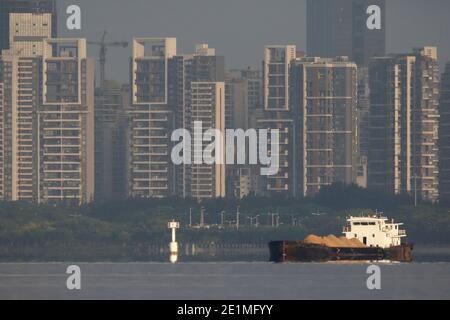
27	32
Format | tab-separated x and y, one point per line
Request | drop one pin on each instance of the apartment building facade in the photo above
41	9
202	66
207	180
151	117
21	68
66	124
404	124
444	138
323	100
21	80
28	32
277	115
242	104
2	139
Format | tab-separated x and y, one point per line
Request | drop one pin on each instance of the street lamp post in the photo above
222	215
237	218
202	217
415	191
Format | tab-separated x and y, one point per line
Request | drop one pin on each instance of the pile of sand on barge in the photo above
334	242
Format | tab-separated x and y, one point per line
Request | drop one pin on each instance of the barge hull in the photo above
297	251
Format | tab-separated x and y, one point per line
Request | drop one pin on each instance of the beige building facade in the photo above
404	124
150	166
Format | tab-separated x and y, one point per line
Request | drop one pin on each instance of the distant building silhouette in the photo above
338	28
111	133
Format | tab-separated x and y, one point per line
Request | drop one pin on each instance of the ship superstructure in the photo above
374	231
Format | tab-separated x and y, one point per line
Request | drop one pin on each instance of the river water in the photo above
426	278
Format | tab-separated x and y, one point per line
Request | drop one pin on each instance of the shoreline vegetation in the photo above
136	229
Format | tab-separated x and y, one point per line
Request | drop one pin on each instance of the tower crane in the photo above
102	55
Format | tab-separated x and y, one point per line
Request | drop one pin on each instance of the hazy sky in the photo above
239	29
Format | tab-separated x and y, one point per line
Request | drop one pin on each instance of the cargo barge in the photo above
366	238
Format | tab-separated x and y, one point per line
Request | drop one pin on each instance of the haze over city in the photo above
239	29
328	102
314	131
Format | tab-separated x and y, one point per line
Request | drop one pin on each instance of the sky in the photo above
239	29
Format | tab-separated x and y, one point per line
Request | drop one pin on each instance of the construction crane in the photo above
102	56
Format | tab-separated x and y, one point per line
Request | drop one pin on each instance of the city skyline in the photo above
409	24
338	117
229	137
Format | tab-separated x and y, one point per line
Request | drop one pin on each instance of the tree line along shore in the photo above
121	229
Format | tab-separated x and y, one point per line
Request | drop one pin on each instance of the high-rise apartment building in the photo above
66	124
21	81
110	142
244	92
444	138
242	103
203	66
208	111
404	123
236	115
8	25
2	140
339	28
323	100
150	118
254	94
21	68
362	126
277	115
363	111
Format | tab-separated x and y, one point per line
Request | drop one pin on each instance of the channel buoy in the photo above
173	246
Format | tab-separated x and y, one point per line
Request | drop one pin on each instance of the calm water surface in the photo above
427	278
